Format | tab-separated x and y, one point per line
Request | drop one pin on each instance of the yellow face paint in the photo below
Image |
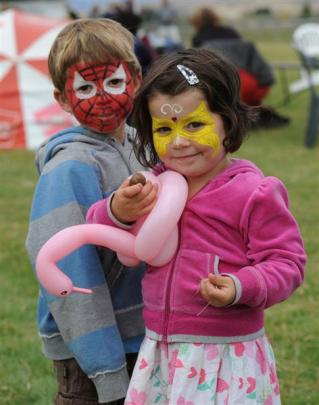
165	130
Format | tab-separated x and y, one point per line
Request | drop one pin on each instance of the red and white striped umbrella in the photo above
28	112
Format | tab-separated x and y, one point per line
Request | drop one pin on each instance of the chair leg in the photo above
313	122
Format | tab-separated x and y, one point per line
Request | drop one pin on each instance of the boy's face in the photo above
100	96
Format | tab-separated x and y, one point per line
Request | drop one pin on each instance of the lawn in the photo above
293	327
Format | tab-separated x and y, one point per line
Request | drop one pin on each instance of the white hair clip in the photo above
188	74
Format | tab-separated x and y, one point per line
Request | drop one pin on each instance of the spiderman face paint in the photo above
100	96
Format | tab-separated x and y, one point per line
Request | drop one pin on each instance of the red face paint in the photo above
101	96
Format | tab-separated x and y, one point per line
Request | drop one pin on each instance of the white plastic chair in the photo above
306	43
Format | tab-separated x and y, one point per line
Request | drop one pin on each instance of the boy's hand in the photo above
130	203
217	290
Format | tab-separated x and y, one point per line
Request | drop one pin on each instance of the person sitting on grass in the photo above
256	75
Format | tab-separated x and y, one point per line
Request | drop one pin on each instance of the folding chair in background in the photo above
306	43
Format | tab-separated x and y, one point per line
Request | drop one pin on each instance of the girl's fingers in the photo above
135	201
125	183
145	195
204	288
149	199
132	191
216	279
147	210
213	292
149	189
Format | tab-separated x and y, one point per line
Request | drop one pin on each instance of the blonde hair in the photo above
97	40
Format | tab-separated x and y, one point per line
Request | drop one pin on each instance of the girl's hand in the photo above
130	203
217	290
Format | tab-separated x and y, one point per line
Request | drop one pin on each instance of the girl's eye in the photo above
163	131
194	125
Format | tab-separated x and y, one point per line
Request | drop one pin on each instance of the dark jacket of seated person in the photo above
255	73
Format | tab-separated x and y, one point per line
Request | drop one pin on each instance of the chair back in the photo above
306	42
306	39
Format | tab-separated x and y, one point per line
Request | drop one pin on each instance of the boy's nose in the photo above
180	141
102	96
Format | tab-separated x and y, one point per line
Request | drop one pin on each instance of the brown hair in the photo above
218	81
203	17
90	40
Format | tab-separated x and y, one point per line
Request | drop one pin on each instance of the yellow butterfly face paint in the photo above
198	126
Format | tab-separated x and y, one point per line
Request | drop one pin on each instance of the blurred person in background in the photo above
126	16
256	75
207	25
167	36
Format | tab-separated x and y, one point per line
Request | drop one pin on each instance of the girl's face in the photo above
187	135
100	96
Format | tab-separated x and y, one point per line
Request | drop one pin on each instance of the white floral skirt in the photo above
241	373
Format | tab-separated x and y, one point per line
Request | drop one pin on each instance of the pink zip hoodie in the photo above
239	225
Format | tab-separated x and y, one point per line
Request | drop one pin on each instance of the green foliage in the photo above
26	377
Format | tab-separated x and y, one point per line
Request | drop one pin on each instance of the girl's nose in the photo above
180	142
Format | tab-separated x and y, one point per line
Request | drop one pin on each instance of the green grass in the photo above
26	377
293	326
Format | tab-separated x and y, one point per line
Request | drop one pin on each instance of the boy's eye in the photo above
87	88
194	125
85	91
115	82
115	85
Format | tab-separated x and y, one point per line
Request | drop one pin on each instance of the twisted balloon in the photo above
153	239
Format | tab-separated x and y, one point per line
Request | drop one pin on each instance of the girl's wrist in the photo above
114	217
237	287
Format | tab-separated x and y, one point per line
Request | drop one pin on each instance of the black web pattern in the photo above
92	73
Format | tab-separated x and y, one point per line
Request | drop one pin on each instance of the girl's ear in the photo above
62	100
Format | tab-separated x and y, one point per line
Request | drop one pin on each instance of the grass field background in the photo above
26	377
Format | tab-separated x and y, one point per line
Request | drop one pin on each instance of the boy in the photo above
90	338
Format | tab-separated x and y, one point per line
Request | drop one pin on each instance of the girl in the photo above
240	249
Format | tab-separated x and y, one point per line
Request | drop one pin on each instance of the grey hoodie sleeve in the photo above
85	323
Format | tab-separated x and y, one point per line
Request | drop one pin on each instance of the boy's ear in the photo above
62	100
138	82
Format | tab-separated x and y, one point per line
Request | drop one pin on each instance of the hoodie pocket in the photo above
191	267
153	287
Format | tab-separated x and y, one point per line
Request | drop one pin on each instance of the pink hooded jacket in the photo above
239	225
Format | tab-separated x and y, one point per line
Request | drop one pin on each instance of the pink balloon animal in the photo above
153	239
